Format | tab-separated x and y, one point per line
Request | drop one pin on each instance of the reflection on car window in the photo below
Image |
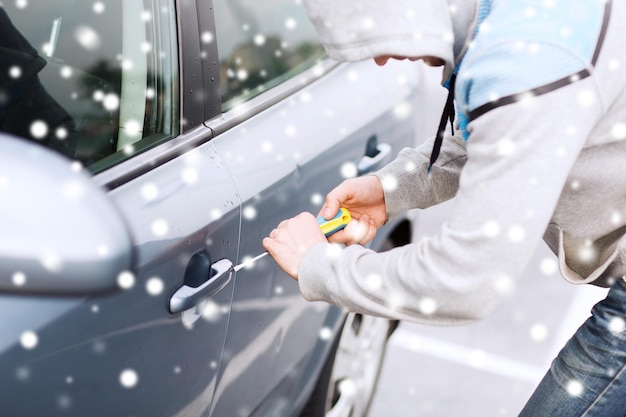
94	80
261	44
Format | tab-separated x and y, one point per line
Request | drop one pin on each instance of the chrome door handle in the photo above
374	162
187	297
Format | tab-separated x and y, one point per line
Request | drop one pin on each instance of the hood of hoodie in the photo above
355	30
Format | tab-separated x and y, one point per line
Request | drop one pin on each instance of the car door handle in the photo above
218	276
370	163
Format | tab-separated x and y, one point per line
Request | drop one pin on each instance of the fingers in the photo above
359	231
291	240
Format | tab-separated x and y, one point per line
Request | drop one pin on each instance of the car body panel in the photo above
207	196
281	169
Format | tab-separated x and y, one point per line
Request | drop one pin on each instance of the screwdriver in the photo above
328	227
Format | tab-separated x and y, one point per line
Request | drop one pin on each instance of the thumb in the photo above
331	208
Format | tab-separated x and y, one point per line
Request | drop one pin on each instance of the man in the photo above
539	93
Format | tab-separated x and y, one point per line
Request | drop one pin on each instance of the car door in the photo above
151	344
294	125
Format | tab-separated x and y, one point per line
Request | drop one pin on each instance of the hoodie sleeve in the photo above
518	160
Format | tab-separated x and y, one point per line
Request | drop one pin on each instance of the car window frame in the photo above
219	121
192	130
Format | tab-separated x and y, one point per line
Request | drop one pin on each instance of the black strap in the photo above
447	114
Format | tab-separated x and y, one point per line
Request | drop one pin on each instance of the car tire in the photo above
349	377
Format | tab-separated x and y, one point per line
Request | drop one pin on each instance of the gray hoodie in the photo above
542	109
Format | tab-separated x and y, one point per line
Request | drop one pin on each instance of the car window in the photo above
261	44
94	80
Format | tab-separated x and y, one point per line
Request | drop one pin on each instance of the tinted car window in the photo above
261	45
93	80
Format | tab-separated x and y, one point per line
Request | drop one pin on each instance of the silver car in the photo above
147	147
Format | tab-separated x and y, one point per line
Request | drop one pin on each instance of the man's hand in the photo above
291	239
365	200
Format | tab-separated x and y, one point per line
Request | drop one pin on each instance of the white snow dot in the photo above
259	40
504	284
18	279
95	308
617	325
427	306
129	378
586	98
149	191
491	228
29	340
73	190
477	358
538	332
516	234
353	75
111	101
146	16
69	380
61	133
290	130
506	147
177	370
334	250
21	4
207	37
15	71
249	213
347	388
305	97
368	23
575	388
22	373
98	7
103	251
127	64
374	281
242	74
326	333
614	64
616	218
66	72
587	253
349	170
618	131
402	110
216	214
159	227
154	286
189	175
38	129
530	12
389	182
126	280
210	311
548	266
267	147
64	401
51	261
98	95
87	37
317	199
291	23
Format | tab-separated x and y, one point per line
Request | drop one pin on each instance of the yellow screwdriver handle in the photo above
341	219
